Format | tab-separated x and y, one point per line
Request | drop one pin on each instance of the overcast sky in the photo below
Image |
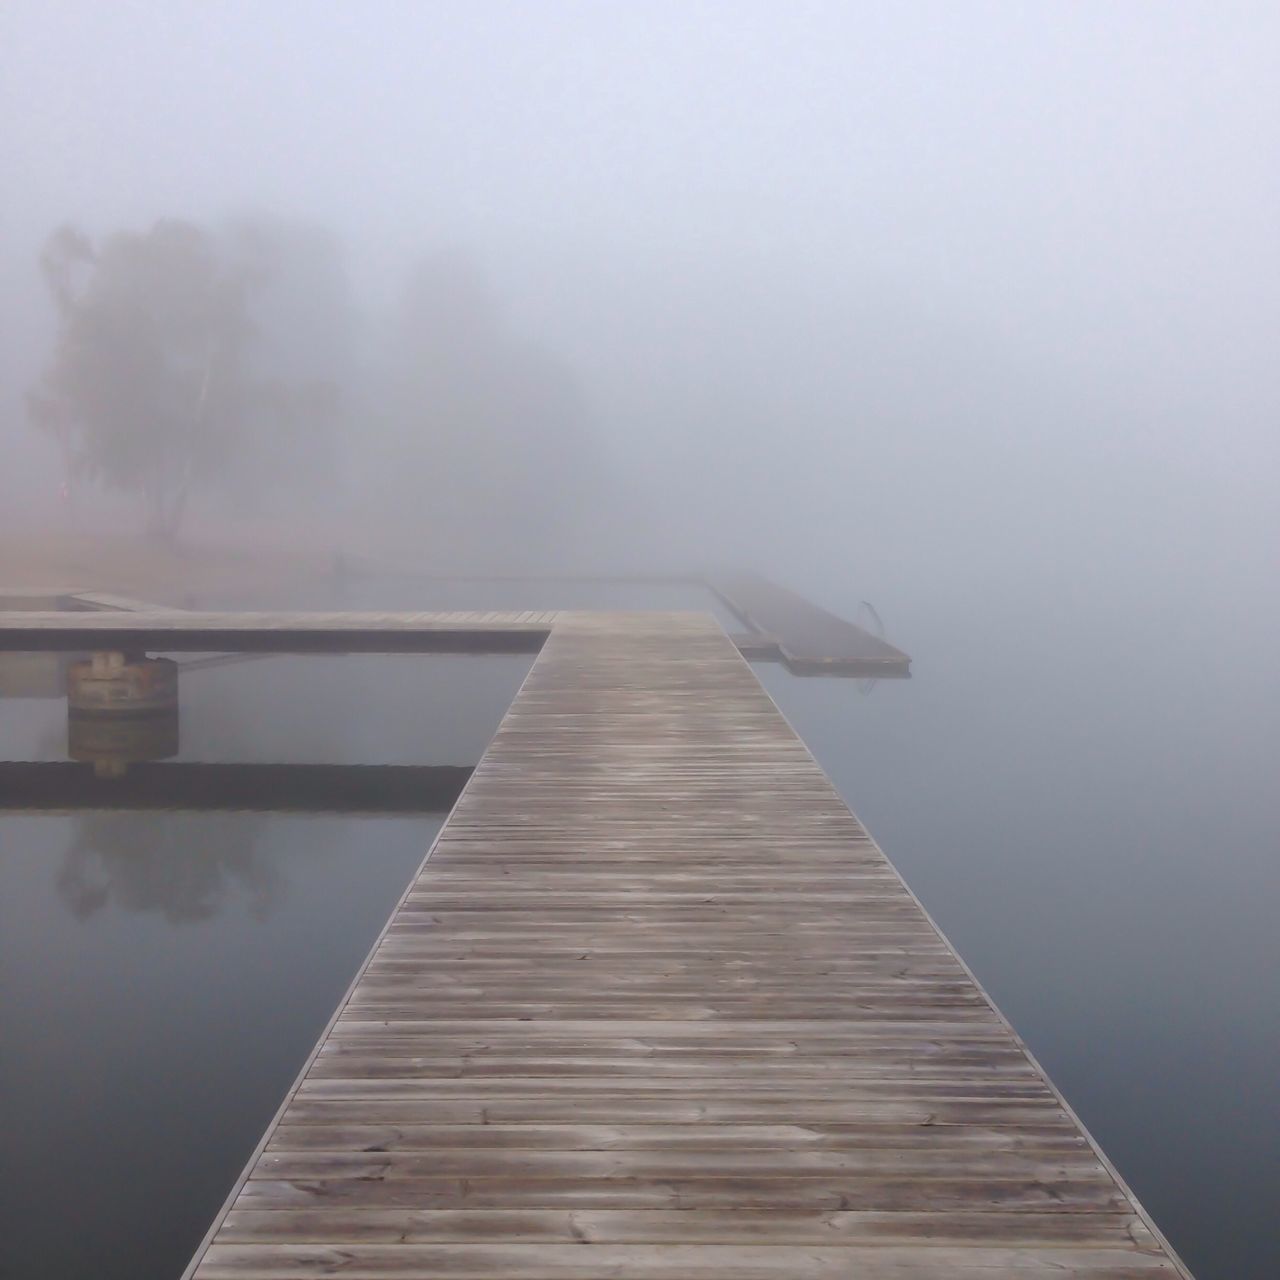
935	287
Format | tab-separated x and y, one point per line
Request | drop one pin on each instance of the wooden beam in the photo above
65	786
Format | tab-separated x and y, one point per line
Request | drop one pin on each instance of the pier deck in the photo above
781	626
191	631
809	639
657	1006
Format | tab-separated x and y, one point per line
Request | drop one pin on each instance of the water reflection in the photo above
163	865
111	743
187	870
34	675
173	940
181	839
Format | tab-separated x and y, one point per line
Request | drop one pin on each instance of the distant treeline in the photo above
236	363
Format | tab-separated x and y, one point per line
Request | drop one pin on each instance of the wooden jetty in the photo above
657	1006
780	626
71	600
809	639
191	631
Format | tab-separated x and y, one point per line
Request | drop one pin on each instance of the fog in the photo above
981	293
968	310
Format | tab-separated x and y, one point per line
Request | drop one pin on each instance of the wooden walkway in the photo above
191	631
782	626
809	639
656	1006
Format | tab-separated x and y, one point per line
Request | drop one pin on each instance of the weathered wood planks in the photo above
656	1006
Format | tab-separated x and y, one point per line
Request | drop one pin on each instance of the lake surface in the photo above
1095	832
164	975
1081	788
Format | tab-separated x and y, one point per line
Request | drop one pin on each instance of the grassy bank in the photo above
133	566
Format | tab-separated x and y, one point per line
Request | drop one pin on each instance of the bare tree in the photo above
145	389
161	380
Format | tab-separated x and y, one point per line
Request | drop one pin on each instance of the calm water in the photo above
165	974
1093	825
1088	807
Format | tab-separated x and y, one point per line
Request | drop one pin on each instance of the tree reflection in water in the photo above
182	866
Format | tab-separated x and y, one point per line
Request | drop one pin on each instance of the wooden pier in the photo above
780	626
657	1006
190	631
809	639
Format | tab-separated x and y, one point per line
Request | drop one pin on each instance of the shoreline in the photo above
131	565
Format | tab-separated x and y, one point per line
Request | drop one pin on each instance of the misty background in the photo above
957	296
968	310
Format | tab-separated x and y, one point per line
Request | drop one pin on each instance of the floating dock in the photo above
808	638
657	1006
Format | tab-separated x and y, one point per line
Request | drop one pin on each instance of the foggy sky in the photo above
968	309
959	294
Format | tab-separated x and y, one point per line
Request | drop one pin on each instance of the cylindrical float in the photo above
121	710
116	684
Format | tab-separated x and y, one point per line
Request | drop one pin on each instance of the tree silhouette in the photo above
168	864
161	380
145	390
492	422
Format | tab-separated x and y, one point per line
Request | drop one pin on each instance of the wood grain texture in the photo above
656	1006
